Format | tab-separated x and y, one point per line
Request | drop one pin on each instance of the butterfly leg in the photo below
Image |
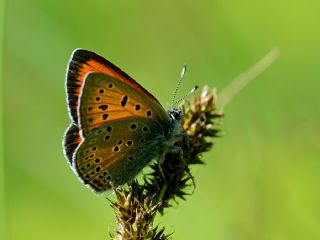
170	148
178	152
183	139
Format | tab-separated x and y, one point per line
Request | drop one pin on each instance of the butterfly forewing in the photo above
84	61
115	153
104	99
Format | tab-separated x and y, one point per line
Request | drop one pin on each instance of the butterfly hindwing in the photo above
71	141
115	153
104	98
84	61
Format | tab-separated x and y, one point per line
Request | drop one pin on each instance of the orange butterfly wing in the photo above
83	62
105	99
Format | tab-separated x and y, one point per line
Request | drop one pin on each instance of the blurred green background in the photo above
261	180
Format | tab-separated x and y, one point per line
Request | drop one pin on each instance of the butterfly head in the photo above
175	114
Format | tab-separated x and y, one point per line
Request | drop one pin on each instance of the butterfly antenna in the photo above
188	94
184	69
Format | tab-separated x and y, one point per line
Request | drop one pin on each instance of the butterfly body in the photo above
118	127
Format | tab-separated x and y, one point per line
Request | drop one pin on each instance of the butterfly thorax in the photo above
171	134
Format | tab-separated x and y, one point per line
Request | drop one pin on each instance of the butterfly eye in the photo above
130	158
107	137
116	149
94	148
129	143
175	114
109	129
98	169
98	99
101	91
120	142
149	113
97	160
110	85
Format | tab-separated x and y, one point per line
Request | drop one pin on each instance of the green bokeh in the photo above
262	179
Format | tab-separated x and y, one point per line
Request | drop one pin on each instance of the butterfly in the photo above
117	126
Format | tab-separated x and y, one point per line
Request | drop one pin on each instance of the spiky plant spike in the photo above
136	206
